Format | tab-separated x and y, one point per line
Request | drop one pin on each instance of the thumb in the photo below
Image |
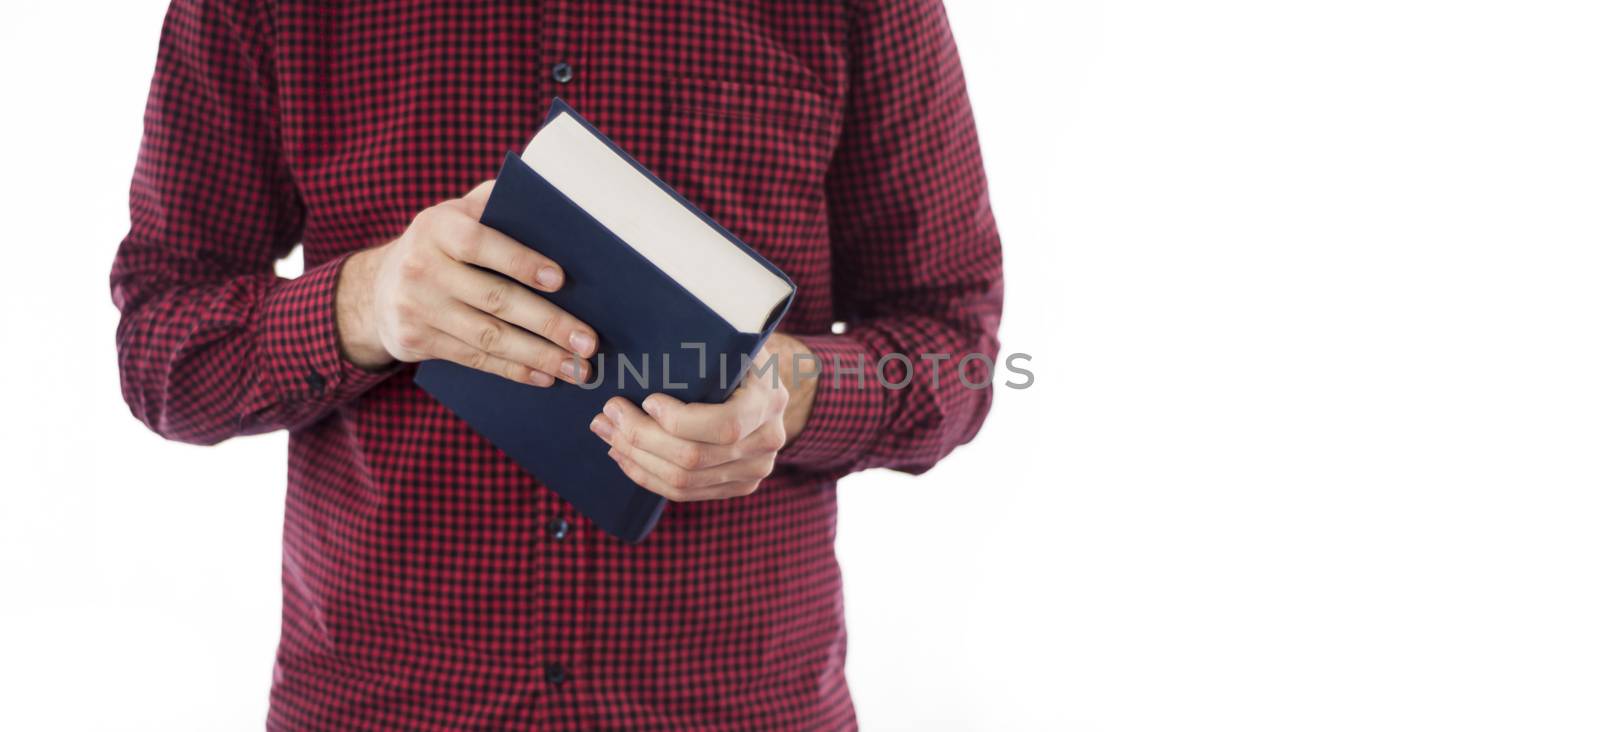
477	198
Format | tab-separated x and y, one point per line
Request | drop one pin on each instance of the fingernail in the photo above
583	343
540	378
602	427
650	406
569	369
613	411
549	277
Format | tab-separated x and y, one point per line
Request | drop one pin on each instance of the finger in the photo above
645	479
639	431
683	479
477	198
448	347
465	240
514	304
632	426
720	424
501	339
756	465
766	440
653	483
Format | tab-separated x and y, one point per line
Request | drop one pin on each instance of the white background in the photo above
1311	290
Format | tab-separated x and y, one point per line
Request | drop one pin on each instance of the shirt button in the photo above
316	382
559	528
561	72
555	673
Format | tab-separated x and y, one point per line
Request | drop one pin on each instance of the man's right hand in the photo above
418	298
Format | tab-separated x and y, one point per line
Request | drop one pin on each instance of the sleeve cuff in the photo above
848	411
300	341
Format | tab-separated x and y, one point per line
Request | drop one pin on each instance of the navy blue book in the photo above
679	304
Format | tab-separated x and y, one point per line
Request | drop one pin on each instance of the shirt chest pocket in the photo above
754	157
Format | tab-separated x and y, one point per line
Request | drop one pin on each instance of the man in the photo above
428	582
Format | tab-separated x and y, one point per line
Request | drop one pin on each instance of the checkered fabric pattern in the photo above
428	583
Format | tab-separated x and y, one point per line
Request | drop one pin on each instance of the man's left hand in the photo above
702	452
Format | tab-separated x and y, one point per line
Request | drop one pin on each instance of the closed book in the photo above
679	303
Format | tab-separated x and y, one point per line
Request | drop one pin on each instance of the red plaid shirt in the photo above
428	583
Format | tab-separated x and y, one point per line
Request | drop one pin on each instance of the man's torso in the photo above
430	583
